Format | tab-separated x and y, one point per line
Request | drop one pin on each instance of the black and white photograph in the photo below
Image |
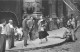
39	25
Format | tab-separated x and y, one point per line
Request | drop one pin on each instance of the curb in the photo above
43	47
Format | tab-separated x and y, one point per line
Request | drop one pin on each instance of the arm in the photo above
0	29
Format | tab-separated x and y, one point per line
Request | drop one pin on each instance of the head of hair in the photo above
10	20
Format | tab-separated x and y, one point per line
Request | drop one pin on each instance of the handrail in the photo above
69	5
74	6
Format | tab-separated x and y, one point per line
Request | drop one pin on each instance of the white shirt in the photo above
19	30
3	31
11	26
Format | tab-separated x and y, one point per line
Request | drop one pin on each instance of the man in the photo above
25	31
10	33
72	29
50	24
58	23
61	22
30	23
2	36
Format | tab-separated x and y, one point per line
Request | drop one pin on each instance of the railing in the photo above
70	5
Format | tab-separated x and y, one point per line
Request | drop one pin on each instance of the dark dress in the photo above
43	34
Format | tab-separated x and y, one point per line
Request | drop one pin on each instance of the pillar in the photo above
52	8
59	8
65	14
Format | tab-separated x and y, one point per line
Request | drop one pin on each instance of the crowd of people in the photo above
30	26
7	30
26	32
70	23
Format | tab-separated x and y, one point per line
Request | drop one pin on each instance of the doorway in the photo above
7	16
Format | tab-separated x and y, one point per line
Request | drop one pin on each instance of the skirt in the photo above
43	34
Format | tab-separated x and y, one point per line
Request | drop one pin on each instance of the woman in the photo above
42	32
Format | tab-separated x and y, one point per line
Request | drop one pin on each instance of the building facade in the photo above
11	9
53	8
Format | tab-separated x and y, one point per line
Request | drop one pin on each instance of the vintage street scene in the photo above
39	25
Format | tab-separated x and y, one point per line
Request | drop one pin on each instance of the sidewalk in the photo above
36	43
59	33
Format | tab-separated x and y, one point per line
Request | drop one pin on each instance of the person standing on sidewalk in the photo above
42	32
31	27
61	22
25	30
51	24
10	33
69	23
2	36
58	23
71	28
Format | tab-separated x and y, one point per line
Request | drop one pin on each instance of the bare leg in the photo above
46	39
25	37
41	41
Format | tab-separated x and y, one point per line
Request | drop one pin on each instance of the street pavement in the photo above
53	39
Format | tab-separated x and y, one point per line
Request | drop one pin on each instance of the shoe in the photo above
25	44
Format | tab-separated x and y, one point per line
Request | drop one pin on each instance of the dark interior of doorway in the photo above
45	6
7	16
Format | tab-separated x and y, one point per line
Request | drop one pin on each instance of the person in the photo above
2	35
25	30
30	23
51	24
58	23
76	19
61	22
10	33
42	32
18	33
71	28
69	23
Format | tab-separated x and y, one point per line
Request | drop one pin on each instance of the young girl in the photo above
42	32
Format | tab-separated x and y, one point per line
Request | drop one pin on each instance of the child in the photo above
42	32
